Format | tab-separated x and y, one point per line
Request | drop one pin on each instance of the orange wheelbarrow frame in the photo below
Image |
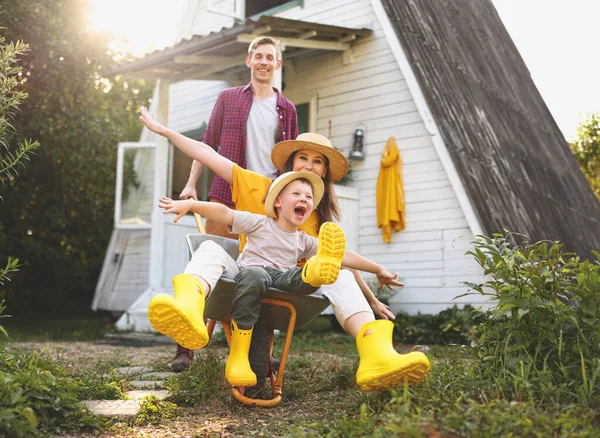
302	309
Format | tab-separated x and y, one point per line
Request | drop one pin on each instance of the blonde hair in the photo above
265	40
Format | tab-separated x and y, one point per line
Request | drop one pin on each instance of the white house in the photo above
480	150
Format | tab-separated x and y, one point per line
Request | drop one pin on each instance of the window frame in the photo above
122	146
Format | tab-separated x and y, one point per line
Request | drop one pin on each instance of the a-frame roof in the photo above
511	156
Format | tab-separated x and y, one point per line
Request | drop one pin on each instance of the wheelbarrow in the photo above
281	310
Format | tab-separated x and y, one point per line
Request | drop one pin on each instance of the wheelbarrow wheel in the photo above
259	352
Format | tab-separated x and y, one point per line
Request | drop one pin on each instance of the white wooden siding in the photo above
371	91
125	270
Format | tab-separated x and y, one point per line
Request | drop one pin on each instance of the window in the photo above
260	7
307	115
302	112
134	198
180	170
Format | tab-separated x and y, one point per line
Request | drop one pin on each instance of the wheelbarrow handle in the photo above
199	223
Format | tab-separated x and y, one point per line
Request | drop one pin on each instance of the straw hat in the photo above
338	164
283	180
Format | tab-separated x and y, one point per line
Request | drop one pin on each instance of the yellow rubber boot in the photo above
381	367
324	268
181	318
237	370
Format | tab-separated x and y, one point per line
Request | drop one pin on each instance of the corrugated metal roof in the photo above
512	158
201	57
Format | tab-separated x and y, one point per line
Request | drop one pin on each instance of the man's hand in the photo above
150	122
189	192
387	279
179	208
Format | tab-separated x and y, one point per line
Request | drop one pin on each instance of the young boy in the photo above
269	259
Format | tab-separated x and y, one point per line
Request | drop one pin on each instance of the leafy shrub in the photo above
383	294
451	326
155	411
37	398
546	324
100	389
204	381
2	309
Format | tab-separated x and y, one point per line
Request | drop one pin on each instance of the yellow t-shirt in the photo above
249	190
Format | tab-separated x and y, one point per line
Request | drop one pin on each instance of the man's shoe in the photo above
182	360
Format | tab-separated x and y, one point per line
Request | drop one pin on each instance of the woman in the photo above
381	367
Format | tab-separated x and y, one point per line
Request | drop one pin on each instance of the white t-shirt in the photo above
268	245
262	132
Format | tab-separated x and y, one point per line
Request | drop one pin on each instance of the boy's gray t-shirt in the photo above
267	245
262	132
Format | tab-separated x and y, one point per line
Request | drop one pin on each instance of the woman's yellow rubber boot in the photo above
237	370
181	318
324	268
381	367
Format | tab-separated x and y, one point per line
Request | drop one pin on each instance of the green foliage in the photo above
37	397
204	381
2	309
457	399
156	411
58	219
586	149
12	157
451	326
97	388
546	323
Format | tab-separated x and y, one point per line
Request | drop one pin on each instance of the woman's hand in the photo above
179	208
382	310
150	122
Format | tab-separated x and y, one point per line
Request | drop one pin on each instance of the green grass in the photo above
87	327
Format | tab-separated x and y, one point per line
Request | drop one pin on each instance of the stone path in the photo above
147	383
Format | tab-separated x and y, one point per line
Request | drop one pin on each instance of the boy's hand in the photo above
387	279
150	122
179	208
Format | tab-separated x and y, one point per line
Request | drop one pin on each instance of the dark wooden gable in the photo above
510	154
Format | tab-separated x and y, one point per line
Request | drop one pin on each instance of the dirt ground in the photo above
222	417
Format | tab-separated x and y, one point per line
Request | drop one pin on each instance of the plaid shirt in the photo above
226	131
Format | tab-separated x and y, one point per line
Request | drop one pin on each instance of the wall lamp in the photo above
358	145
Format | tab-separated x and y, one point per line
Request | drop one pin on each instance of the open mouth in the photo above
300	211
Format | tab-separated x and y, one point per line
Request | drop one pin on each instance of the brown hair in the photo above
328	208
265	40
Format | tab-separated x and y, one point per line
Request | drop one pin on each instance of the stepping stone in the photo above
131	371
157	375
137	394
113	408
147	384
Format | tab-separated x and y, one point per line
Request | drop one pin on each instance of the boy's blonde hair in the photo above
265	40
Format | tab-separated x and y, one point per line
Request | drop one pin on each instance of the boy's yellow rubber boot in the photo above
381	367
324	268
181	318
237	370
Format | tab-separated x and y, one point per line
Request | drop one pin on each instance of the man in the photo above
245	124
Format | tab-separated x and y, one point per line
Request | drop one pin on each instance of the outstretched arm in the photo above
211	210
197	150
356	261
